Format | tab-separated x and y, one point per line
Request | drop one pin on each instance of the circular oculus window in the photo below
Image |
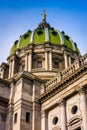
74	109
55	120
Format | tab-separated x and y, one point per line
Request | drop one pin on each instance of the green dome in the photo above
42	34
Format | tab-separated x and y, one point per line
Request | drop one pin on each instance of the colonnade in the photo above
28	61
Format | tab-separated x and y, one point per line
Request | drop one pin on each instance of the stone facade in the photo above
44	87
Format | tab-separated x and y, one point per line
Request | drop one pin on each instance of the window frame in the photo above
15	118
56	65
27	117
78	128
39	64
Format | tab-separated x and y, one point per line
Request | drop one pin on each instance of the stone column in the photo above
46	60
50	60
26	62
44	120
63	115
69	60
2	73
9	69
29	61
83	106
12	73
65	57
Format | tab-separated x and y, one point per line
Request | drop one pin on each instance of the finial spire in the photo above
44	16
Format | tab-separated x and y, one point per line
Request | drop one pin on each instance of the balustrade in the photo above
66	72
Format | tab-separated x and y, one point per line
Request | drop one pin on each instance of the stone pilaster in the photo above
50	60
33	117
44	120
9	119
83	106
12	88
26	62
29	61
36	115
46	60
65	57
10	68
4	70
12	73
69	60
63	115
2	73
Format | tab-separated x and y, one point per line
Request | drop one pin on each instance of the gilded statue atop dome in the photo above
44	16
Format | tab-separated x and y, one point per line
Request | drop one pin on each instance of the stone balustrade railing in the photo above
83	60
66	72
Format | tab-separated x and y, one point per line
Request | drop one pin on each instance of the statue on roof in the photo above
44	16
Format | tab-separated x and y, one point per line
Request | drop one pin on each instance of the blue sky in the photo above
18	16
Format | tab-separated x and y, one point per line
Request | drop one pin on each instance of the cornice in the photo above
4	81
25	74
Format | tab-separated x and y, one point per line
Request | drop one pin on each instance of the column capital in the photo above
48	49
28	52
12	57
44	113
62	102
82	91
